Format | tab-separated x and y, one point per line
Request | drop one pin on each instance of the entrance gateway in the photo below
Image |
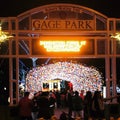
60	32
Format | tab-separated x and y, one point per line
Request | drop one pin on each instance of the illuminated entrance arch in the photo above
60	20
82	77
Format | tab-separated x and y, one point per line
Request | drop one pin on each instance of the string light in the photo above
4	35
82	77
116	36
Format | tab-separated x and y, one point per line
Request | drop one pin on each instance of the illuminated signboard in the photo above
62	46
50	45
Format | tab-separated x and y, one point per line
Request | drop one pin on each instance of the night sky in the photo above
12	8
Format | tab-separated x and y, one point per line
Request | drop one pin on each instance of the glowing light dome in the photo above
82	77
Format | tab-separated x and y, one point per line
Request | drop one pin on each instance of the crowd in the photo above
88	106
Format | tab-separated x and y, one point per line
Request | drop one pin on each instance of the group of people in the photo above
88	106
43	104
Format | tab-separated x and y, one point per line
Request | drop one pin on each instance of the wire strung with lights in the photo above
81	76
116	36
4	35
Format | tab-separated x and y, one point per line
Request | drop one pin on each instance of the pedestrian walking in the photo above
25	107
77	105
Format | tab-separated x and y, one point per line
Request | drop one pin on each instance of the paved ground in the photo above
7	113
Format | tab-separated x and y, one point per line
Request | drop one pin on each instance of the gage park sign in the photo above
79	25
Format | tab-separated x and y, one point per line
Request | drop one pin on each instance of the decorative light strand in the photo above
82	77
4	35
116	36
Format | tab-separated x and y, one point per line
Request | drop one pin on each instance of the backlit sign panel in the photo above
62	46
